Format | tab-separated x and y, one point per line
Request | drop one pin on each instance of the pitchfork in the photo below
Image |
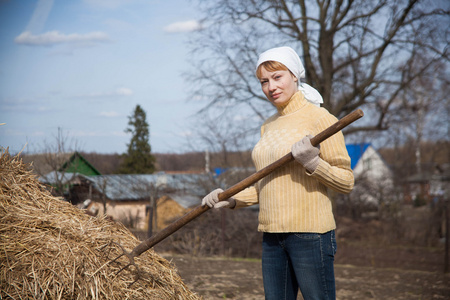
252	179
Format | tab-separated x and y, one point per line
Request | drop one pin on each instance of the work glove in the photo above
212	200
306	154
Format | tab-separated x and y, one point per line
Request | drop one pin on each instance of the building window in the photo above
367	164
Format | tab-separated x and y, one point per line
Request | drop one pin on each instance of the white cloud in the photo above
38	133
186	133
124	92
119	133
109	114
25	105
111	4
121	92
95	133
44	109
84	133
54	37
186	26
6	130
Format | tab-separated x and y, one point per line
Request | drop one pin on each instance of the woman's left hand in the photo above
306	154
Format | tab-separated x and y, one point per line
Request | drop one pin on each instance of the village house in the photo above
60	170
427	187
130	198
373	178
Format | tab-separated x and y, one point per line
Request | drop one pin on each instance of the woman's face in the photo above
278	86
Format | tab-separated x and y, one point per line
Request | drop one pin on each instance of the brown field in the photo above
375	260
382	273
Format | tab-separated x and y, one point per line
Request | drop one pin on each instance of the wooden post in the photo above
150	216
447	235
223	220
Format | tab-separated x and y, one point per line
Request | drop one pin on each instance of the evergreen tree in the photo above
138	159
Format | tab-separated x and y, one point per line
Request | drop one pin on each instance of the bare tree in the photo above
49	164
426	116
420	133
225	136
356	53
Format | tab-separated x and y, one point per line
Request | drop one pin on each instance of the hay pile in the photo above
50	249
168	210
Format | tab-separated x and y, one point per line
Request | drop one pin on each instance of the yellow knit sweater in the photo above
291	199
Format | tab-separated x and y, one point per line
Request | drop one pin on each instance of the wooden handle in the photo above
252	179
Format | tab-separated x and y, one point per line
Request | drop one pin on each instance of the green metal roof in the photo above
78	164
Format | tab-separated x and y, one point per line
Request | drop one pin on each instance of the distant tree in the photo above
138	159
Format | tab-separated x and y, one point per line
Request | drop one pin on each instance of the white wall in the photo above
374	177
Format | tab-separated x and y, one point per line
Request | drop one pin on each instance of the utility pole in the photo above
419	130
207	161
152	210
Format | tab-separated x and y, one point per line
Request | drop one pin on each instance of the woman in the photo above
295	210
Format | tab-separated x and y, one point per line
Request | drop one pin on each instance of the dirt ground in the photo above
361	273
398	257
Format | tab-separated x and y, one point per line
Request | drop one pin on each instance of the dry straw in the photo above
50	249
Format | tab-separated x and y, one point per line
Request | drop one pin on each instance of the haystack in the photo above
50	249
168	210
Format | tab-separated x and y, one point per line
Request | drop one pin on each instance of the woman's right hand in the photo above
212	200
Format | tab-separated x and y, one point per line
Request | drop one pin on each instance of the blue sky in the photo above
84	65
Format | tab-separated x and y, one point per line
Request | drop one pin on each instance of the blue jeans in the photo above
299	260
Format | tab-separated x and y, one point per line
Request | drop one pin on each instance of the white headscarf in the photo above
288	57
